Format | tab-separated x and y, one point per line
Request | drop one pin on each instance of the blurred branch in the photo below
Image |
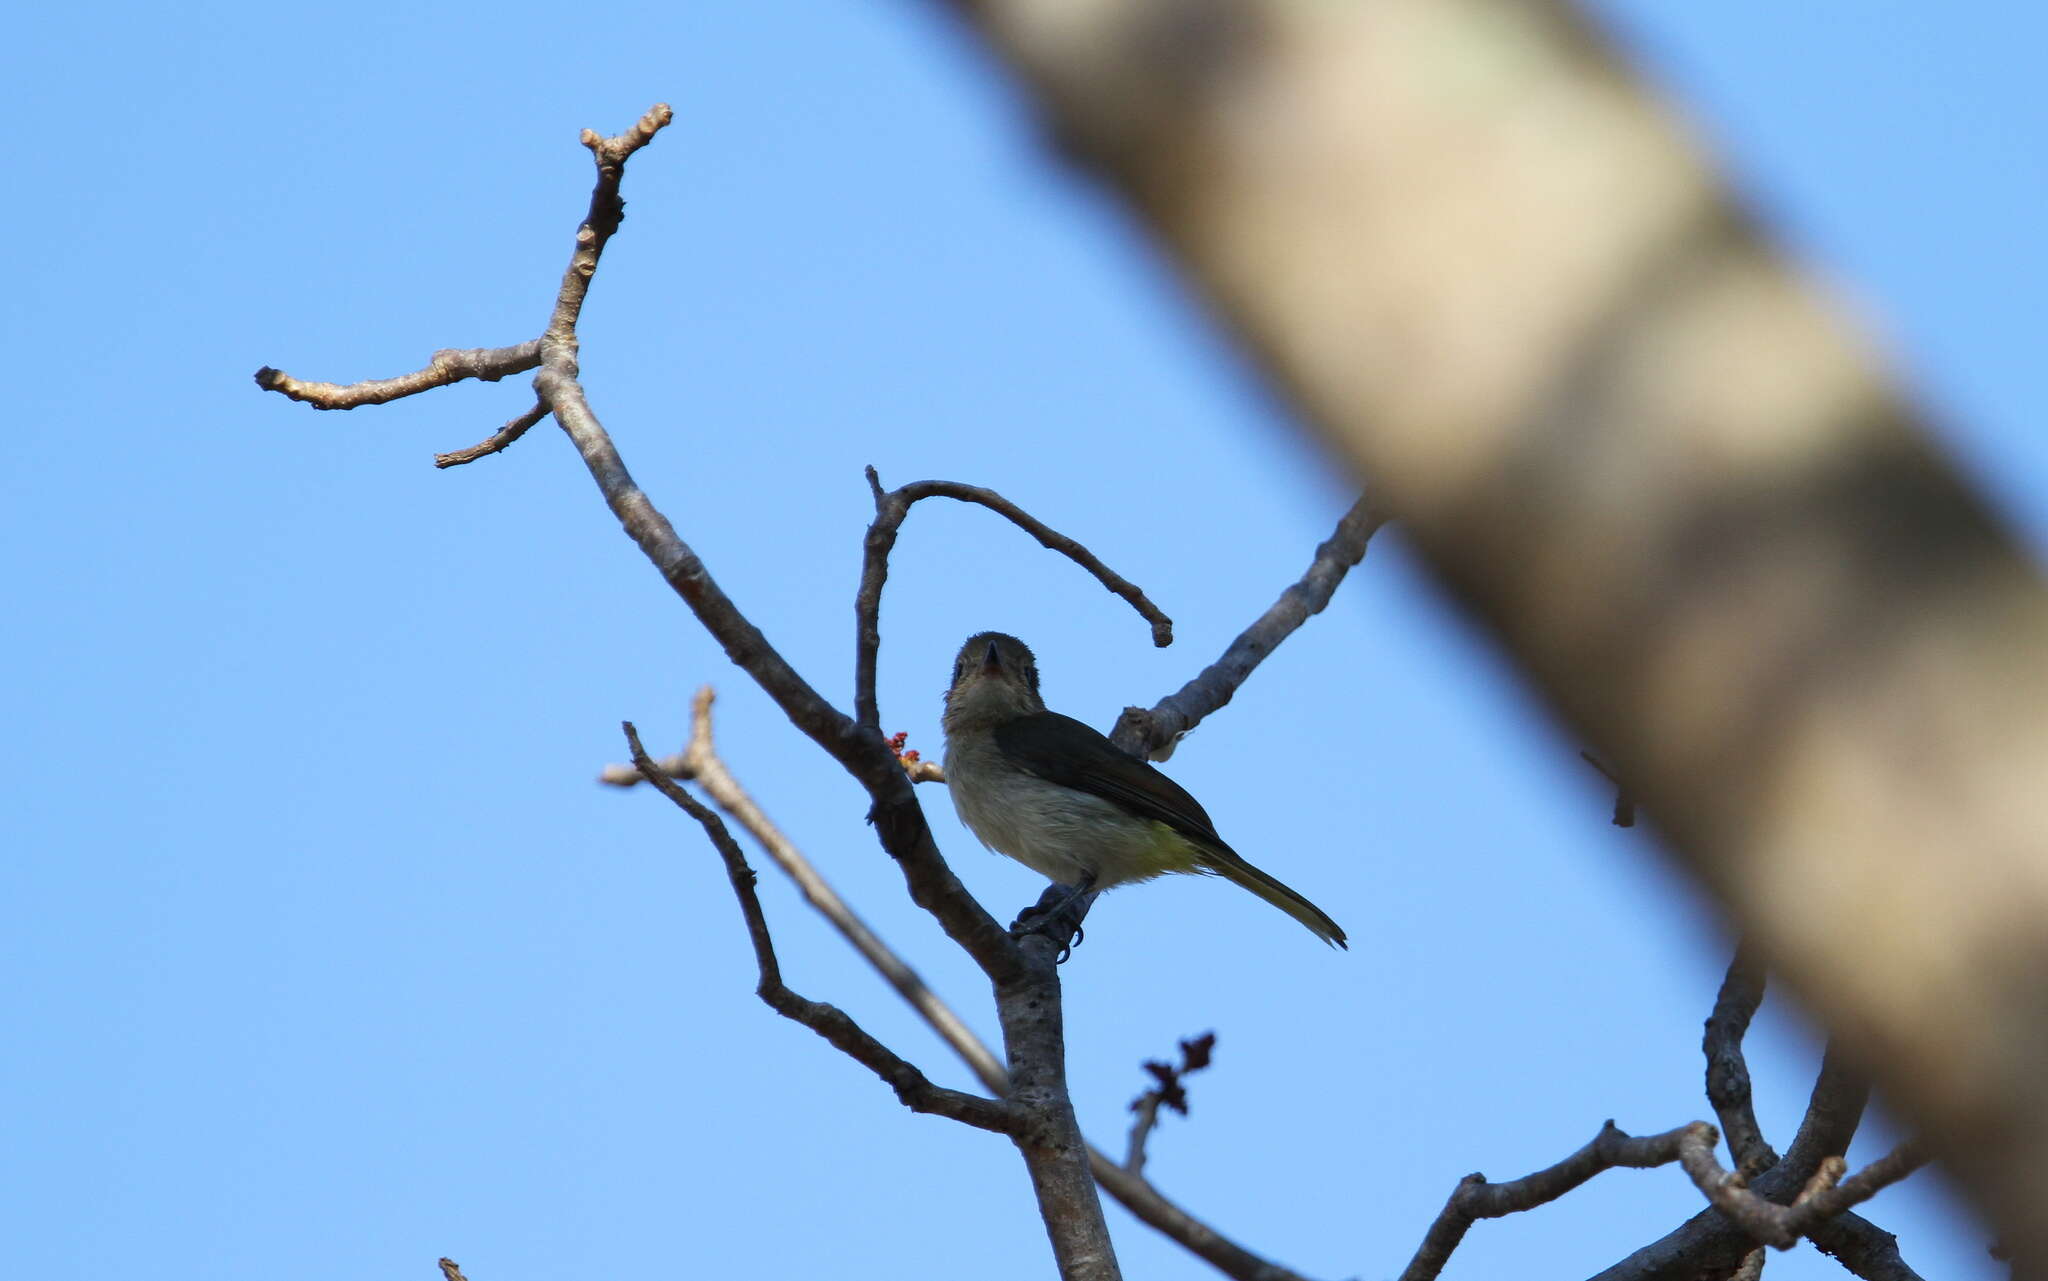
629	775
451	1272
1167	1091
1154	733
1624	799
892	506
1652	457
828	1021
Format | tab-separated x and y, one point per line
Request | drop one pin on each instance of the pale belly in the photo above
1058	832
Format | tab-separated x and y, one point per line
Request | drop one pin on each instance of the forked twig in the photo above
892	507
830	1022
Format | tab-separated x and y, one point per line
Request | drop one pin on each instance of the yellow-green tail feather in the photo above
1235	870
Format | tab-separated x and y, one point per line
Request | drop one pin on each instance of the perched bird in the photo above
1061	799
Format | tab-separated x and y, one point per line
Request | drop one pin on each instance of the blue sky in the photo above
326	954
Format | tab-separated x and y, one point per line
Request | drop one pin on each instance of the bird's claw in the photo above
1057	916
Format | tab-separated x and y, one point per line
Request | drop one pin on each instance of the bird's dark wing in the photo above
1060	749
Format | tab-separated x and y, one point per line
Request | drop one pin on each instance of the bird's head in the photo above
995	679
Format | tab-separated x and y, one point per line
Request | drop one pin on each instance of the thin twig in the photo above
1824	1195
1150	1207
1873	1178
628	775
833	1024
701	761
1168	1091
497	441
1154	733
1721	1237
892	506
1475	1198
919	770
486	364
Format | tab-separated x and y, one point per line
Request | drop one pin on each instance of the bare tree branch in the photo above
1824	1194
1723	1239
1475	1198
1873	1178
899	821
919	769
1742	991
451	1272
701	762
1758	1219
1168	1090
486	364
628	775
1711	1239
892	506
1716	1239
1148	1206
828	1021
497	441
1154	733
1833	1112
1861	1246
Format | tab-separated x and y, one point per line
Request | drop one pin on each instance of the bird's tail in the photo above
1233	868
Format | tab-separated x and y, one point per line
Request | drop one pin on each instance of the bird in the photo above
1060	798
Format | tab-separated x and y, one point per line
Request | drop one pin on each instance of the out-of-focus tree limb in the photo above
1499	279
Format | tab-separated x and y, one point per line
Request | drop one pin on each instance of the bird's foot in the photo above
1057	916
